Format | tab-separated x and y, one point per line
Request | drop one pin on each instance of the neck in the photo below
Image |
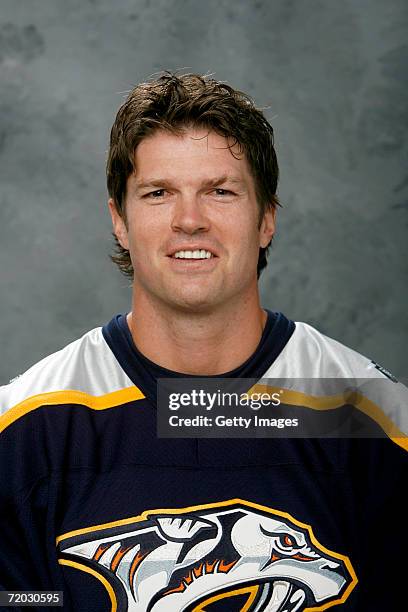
205	344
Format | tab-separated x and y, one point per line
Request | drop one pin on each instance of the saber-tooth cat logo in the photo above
233	555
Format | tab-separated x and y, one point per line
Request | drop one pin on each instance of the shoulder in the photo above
311	354
315	361
57	407
86	366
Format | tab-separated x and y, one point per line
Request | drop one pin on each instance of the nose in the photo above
189	215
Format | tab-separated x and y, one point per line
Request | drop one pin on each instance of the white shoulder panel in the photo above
87	365
311	354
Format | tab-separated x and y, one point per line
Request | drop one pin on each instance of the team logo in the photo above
234	555
384	371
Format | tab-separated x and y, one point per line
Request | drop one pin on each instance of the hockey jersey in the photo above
94	504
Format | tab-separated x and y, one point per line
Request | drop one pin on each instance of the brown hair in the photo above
172	102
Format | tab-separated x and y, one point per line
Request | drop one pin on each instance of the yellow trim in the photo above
330	402
252	591
373	411
95	402
231	502
94	573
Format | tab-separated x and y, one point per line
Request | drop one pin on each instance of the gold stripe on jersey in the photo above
330	402
97	575
55	398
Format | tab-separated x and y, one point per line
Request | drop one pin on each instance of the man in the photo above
94	504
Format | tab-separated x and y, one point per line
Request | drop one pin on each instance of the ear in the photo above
267	229
119	225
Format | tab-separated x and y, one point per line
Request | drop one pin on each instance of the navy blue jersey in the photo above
95	505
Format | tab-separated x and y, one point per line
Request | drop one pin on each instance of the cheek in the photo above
246	239
145	238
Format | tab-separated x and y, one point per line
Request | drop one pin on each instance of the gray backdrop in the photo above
334	78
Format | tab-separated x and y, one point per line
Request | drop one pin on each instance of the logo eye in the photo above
286	542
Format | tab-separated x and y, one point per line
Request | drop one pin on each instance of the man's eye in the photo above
221	192
158	193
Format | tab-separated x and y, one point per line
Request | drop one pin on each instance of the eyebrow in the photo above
159	183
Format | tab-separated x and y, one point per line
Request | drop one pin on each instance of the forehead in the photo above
195	151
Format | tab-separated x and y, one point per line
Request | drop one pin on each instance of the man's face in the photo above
192	222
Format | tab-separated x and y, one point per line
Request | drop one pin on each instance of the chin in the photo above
196	303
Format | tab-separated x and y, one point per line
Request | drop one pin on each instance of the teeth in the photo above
280	591
298	597
199	254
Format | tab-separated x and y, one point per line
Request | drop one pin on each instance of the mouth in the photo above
192	260
196	254
284	595
192	254
276	596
